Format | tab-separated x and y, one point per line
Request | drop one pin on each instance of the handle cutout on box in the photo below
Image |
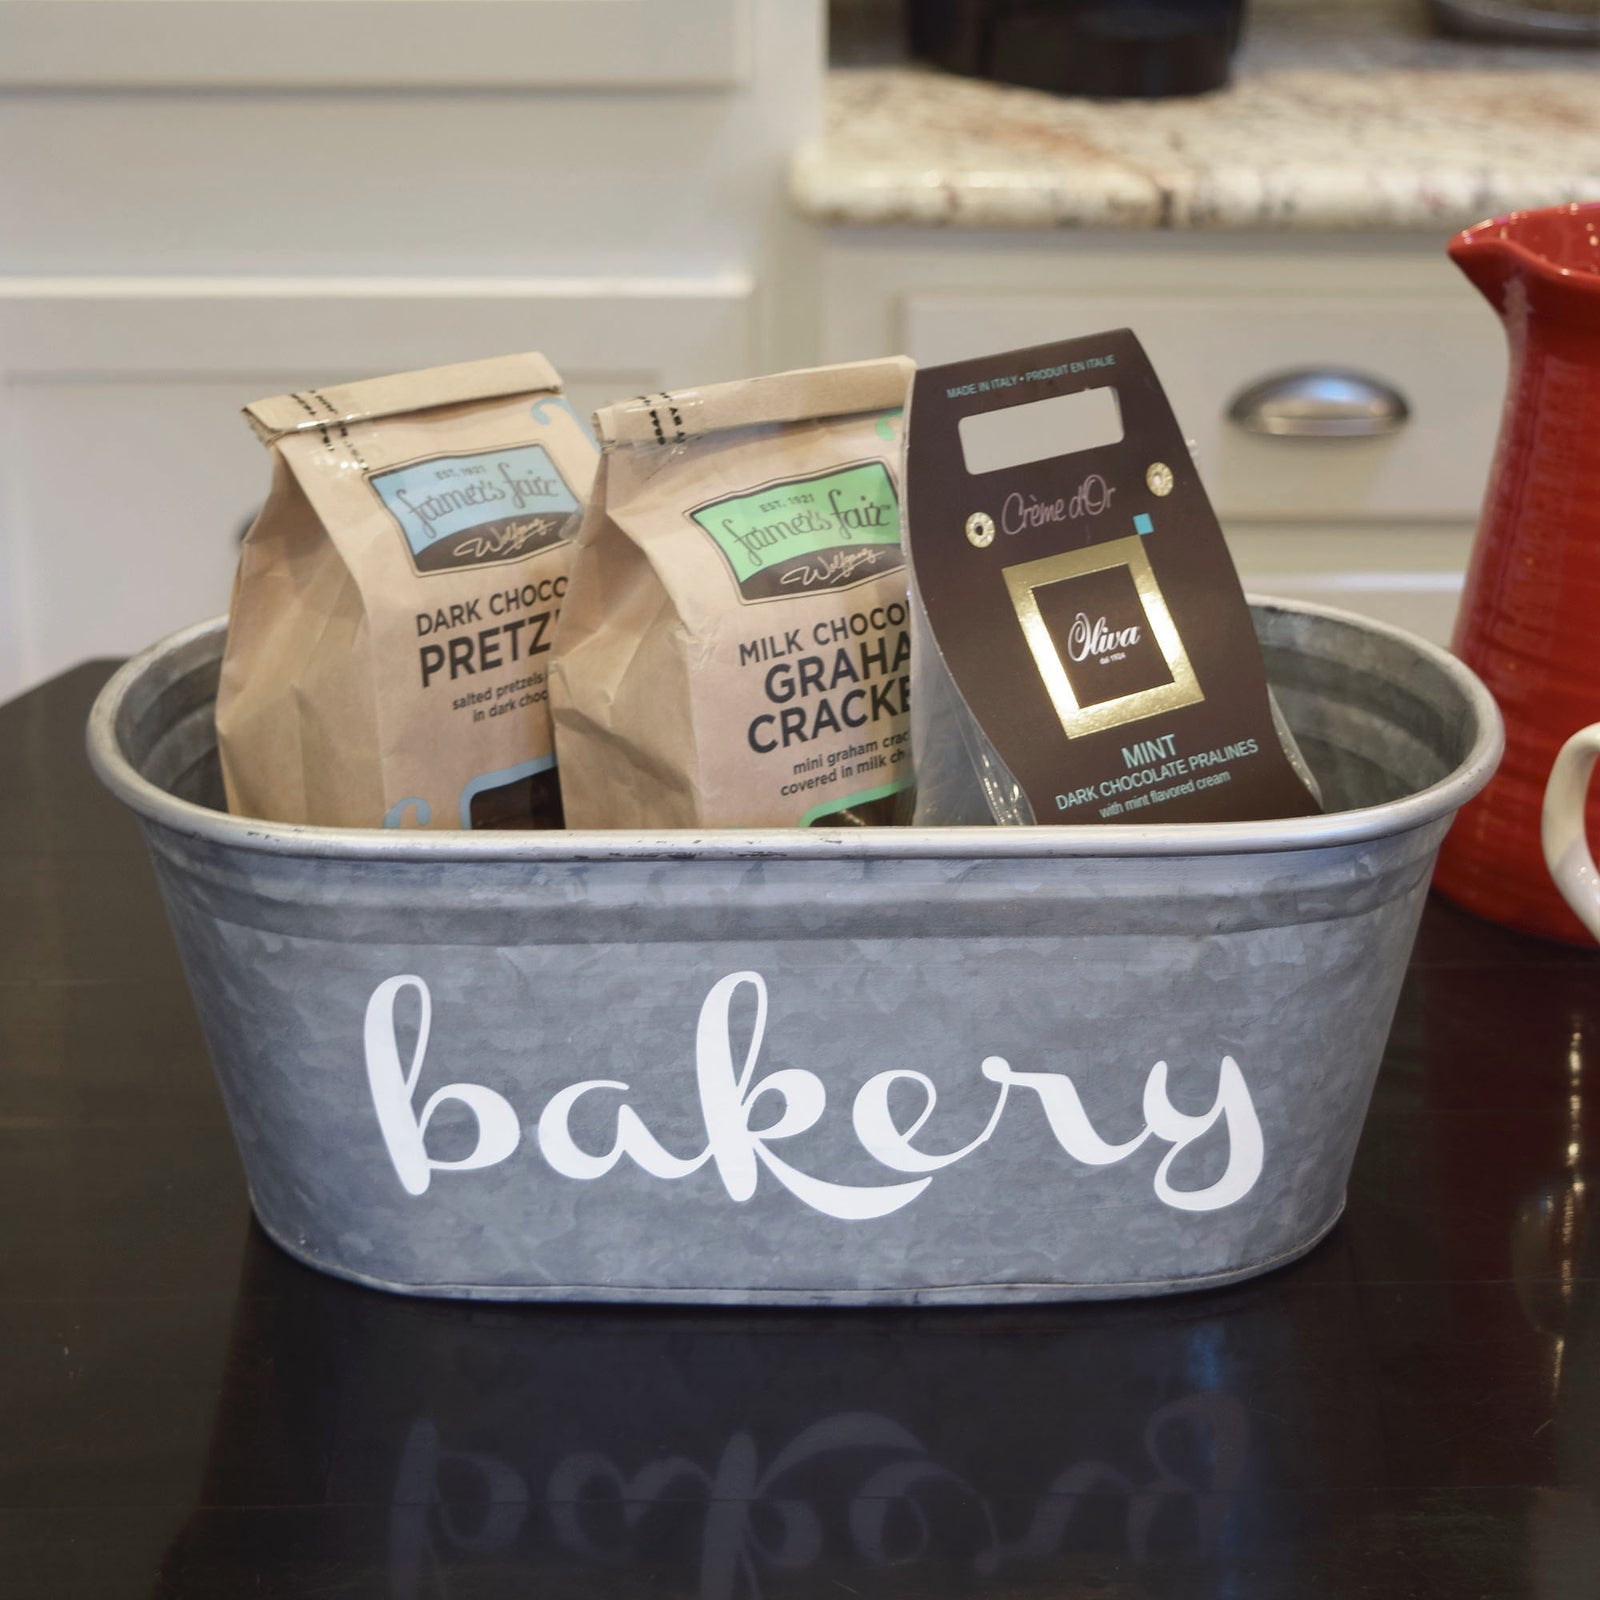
1040	430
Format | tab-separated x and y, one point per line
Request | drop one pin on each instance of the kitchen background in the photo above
205	201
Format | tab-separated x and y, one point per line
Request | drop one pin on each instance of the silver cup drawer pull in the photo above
1320	403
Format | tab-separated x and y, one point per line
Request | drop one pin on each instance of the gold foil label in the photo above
1091	641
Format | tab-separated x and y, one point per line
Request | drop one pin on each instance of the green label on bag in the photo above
802	535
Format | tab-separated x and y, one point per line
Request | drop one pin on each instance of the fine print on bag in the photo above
396	600
735	648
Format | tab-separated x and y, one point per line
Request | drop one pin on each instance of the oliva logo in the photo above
478	510
829	531
1085	638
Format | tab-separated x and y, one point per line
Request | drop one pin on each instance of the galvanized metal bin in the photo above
882	1066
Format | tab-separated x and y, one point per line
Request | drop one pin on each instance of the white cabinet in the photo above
1438	355
383	185
397	183
1408	574
130	472
342	44
1377	525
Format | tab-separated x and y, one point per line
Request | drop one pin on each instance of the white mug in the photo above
1566	851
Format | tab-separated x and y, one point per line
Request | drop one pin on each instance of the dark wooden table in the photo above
1413	1410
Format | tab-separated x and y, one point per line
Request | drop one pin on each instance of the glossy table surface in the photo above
1412	1410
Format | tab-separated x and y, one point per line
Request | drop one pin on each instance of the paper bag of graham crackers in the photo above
735	650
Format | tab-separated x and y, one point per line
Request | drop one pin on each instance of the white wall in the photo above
171	249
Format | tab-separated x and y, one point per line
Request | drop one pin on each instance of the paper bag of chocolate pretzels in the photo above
1084	652
396	599
735	649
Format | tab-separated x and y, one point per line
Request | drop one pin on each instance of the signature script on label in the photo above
835	566
504	541
791	1101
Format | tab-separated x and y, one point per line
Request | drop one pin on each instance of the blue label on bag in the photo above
481	509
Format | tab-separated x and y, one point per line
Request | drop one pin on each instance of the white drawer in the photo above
1408	576
549	44
130	473
1444	354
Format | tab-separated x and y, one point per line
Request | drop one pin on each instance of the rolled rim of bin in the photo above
798	844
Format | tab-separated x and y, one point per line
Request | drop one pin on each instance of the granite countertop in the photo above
1350	116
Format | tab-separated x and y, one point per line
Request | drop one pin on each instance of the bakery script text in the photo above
745	1115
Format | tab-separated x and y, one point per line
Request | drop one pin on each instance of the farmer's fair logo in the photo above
801	535
791	1101
478	510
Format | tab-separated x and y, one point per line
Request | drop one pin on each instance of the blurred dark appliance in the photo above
1529	21
1110	49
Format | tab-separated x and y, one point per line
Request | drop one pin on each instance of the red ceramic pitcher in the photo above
1530	615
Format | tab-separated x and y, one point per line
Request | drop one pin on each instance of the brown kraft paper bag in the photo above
735	649
396	599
